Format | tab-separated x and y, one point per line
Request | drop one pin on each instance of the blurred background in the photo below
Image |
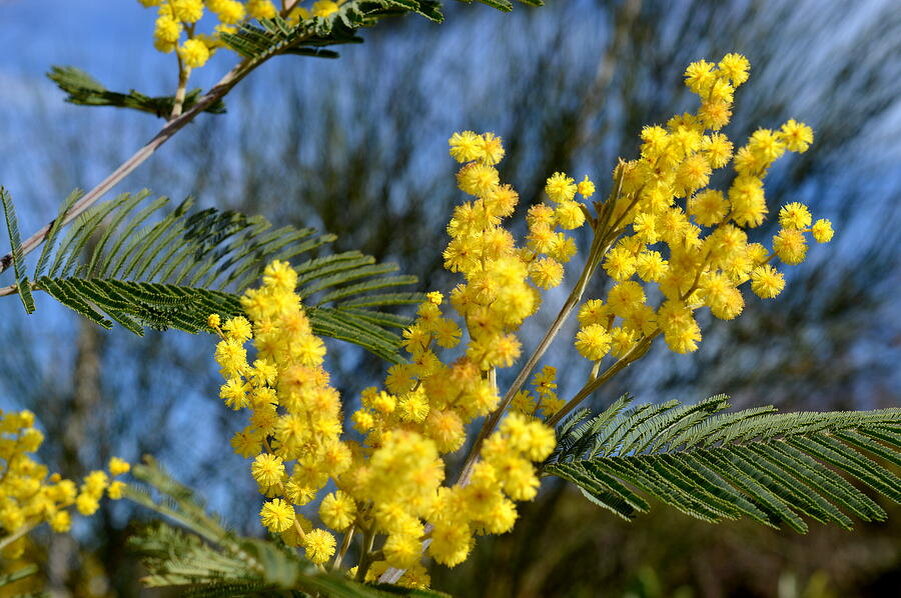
358	147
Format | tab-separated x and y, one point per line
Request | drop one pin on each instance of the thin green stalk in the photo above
365	555
592	385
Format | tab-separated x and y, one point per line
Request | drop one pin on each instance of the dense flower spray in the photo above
30	495
670	244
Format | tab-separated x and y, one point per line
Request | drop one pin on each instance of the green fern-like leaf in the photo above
12	226
771	467
140	263
202	558
82	89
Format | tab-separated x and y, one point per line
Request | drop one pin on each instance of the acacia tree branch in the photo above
217	92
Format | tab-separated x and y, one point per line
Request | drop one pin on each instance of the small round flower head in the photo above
279	276
324	8
118	466
491	149
585	187
560	188
261	9
194	53
238	329
477	179
735	67
708	207
766	281
166	33
465	146
593	342
229	12
319	546
796	136
277	515
569	215
822	231
594	311
718	149
189	11
116	490
450	544
546	272
795	216
699	76
790	246
268	470
338	510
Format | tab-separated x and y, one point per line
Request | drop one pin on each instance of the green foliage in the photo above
12	226
309	37
202	558
21	573
771	467
84	90
142	264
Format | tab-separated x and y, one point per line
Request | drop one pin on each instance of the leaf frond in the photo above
23	286
774	468
141	263
84	90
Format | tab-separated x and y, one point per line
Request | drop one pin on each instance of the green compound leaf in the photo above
84	90
23	286
771	467
201	557
139	262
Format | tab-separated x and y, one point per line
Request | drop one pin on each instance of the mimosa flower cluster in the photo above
178	22
662	236
30	495
389	485
690	241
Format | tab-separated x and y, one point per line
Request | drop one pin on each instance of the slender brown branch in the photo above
218	91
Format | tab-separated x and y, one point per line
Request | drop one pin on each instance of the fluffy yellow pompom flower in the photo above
118	466
324	8
465	146
228	11
585	187
116	490
560	188
166	33
277	515
268	470
546	272
194	53
822	231
593	342
189	11
338	510
795	216
796	136
450	544
735	67
790	246
319	546
477	179
261	9
708	207
491	149
767	282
